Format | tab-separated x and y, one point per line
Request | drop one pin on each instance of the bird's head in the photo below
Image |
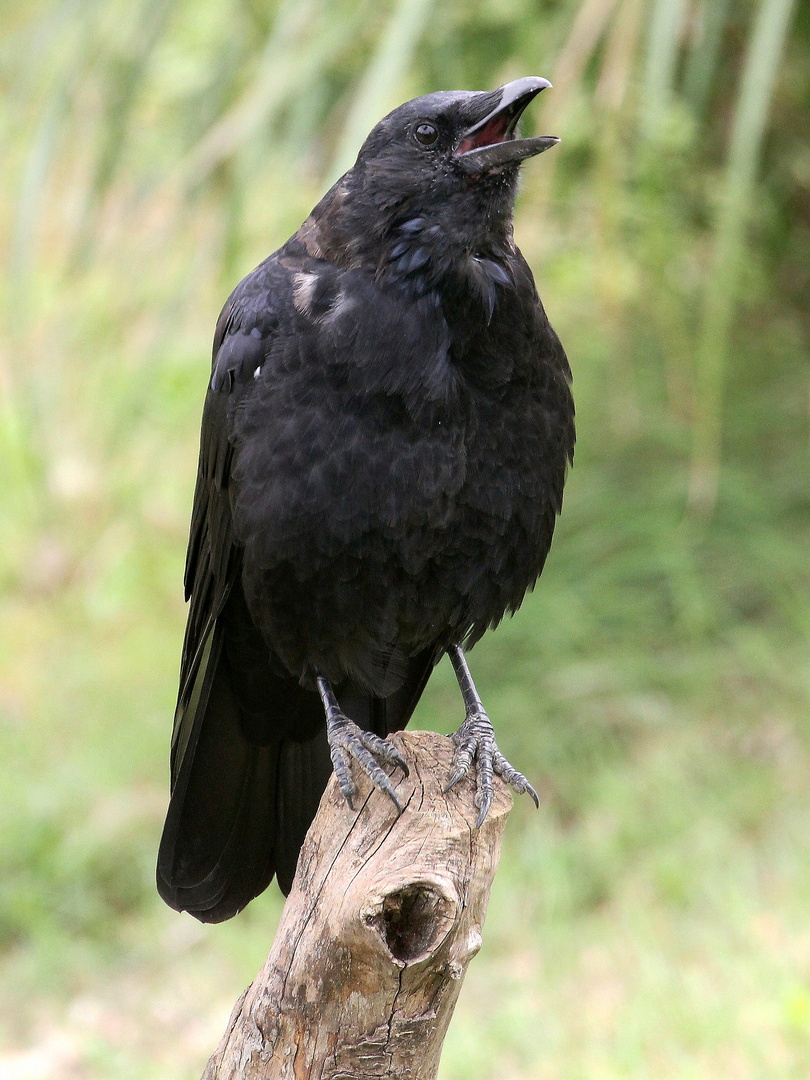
450	159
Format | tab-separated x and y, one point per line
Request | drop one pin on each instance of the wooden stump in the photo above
384	915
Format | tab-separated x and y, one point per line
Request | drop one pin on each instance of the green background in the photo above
653	919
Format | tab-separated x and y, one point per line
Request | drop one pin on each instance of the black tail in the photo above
216	853
235	772
250	763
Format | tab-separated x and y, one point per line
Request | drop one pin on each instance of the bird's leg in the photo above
347	740
475	741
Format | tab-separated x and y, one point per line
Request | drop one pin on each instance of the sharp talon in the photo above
348	791
400	761
475	741
483	794
348	742
383	750
388	788
346	787
395	758
454	779
482	816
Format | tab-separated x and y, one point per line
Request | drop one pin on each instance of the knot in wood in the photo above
413	920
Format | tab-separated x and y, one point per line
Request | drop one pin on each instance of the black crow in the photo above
384	444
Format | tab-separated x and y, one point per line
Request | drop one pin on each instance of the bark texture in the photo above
384	915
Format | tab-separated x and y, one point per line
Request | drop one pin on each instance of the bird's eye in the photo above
425	134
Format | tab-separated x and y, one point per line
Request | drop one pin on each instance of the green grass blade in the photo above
619	58
382	76
587	29
304	38
33	181
662	55
704	57
69	23
765	47
122	89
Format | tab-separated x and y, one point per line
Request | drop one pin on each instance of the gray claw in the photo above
383	749
347	741
452	780
475	741
512	777
484	803
462	759
340	763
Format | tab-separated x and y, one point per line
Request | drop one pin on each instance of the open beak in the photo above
492	141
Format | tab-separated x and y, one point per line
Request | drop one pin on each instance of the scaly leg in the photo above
475	741
347	741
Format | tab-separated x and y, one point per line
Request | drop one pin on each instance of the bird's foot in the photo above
475	741
347	741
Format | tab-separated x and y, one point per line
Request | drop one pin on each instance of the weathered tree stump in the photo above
384	915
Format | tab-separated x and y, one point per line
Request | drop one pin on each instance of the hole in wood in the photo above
413	920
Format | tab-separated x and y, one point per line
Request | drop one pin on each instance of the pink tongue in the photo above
493	132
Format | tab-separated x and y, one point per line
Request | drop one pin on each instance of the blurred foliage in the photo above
651	921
